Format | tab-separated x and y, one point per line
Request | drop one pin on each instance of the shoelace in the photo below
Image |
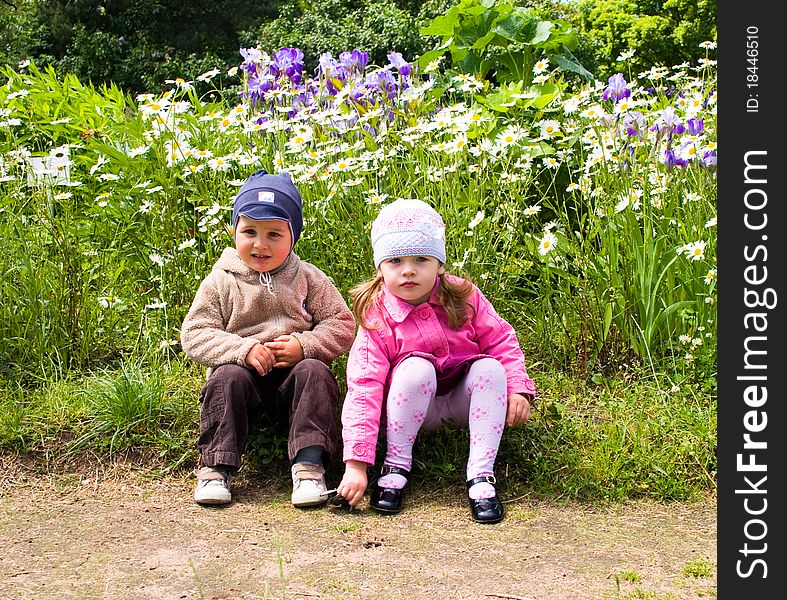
267	281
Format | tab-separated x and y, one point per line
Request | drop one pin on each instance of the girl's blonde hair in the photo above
451	295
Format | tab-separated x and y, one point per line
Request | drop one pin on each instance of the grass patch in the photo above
620	439
699	568
630	576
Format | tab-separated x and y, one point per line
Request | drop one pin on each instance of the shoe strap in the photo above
386	470
308	471
483	479
209	474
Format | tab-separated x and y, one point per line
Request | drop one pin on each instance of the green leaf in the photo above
502	99
428	57
515	66
517	27
543	33
556	410
442	25
537	149
470	63
607	319
570	63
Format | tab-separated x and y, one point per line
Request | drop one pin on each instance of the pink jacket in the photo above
406	330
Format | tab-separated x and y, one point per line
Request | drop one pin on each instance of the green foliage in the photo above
485	37
374	26
39	419
17	31
626	439
138	45
660	33
630	576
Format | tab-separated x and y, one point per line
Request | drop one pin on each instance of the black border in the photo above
742	131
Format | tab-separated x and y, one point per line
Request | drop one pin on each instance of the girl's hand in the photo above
287	350
518	410
260	359
354	482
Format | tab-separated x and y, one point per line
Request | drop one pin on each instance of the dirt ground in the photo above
115	532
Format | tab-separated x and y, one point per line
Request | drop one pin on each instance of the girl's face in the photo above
262	245
410	278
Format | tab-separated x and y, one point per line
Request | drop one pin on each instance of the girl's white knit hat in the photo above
408	227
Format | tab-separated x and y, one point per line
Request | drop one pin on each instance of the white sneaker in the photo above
308	484
213	486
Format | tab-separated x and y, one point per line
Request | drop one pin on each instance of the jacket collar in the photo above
398	309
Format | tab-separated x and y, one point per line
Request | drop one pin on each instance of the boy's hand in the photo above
286	349
261	359
518	410
354	482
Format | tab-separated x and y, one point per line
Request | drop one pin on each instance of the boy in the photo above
267	325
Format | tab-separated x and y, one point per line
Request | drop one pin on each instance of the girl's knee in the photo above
486	374
415	369
491	367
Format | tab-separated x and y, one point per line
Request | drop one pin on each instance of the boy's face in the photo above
262	245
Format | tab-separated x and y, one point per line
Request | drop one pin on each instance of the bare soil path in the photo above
115	533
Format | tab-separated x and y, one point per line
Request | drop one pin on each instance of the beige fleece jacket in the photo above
233	310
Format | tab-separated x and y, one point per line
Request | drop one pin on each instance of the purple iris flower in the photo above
326	62
695	126
671	159
668	123
303	100
616	89
358	91
355	62
254	89
634	122
250	56
385	81
400	64
290	62
709	159
332	69
258	84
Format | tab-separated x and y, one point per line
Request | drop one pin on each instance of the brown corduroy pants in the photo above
302	400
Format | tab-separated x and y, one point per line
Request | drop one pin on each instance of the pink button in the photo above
424	313
439	352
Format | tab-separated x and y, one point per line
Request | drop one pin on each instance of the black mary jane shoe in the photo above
485	510
387	500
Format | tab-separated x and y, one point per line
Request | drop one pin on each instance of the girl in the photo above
433	347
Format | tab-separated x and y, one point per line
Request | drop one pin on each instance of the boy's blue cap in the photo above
265	197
